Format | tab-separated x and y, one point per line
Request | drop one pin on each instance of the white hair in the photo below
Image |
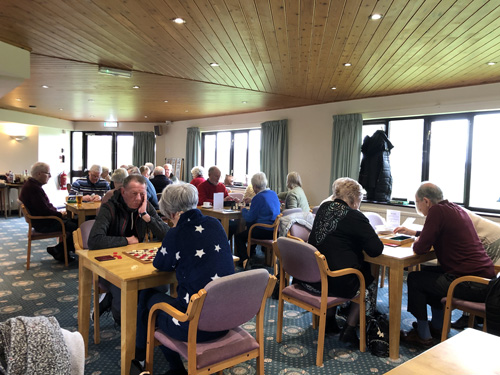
96	168
259	181
176	198
198	171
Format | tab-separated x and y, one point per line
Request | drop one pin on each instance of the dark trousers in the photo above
428	286
241	238
55	226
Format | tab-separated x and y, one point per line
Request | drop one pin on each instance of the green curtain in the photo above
144	148
346	146
274	153
193	151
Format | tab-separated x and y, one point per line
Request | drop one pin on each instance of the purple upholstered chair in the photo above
299	232
303	261
290	211
224	304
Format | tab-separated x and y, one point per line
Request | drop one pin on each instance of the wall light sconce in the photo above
18	138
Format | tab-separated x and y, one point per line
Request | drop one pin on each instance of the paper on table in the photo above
409	221
218	201
393	218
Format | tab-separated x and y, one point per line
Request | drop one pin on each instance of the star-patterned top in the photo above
198	251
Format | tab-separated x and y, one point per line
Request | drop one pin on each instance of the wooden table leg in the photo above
129	292
81	219
84	297
395	301
225	224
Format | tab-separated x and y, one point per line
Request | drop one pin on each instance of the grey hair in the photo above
134	177
151	166
293	180
198	171
430	191
144	168
96	168
105	169
259	181
176	198
159	171
347	189
39	166
119	175
133	170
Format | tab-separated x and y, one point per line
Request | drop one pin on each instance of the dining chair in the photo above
302	261
33	235
314	210
299	232
375	219
229	297
265	244
290	211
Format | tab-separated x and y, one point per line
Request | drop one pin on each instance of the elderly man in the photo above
212	185
37	202
125	219
159	180
449	230
169	172
92	187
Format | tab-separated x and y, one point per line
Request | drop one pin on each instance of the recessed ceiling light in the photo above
347	64
45	86
244	102
376	16
145	116
334	88
165	101
61	109
18	99
186	111
32	106
179	20
214	64
135	87
91	100
491	63
92	116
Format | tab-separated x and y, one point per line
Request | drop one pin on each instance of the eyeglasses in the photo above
47	173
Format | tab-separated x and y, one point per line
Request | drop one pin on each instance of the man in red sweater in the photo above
449	230
212	185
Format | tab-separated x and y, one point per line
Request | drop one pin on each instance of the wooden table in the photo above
130	279
8	186
224	216
396	259
467	353
87	209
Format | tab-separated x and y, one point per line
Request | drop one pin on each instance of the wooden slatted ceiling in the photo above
272	53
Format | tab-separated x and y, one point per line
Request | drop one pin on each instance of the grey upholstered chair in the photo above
299	232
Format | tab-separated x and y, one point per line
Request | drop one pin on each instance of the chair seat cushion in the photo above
477	307
265	243
39	235
298	292
237	341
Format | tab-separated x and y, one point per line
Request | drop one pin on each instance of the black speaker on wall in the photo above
158	130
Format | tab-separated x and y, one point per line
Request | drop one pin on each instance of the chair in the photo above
473	308
290	211
303	261
34	235
238	196
232	298
375	219
299	232
80	239
314	210
267	244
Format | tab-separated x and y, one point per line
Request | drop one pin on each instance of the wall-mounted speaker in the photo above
158	130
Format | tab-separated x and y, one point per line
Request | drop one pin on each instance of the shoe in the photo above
59	255
435	333
331	326
462	322
136	368
412	337
348	335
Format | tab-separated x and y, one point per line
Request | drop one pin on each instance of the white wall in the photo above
310	128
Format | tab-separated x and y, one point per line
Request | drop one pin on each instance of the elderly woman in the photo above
196	248
119	175
264	209
341	232
295	196
197	173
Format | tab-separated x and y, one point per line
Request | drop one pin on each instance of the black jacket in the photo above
375	173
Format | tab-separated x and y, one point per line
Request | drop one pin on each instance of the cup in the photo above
207	204
79	199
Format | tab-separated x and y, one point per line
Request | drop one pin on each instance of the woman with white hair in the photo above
119	175
196	248
264	209
341	232
197	173
295	196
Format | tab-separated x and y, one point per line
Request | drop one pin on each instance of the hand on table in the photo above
404	230
132	240
95	198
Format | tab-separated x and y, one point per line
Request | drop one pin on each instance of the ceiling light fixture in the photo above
136	87
214	64
491	63
376	16
18	138
244	102
45	86
18	99
178	20
165	101
347	64
115	72
334	88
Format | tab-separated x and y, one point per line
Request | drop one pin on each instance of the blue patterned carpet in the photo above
49	288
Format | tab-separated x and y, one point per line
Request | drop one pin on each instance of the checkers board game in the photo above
143	256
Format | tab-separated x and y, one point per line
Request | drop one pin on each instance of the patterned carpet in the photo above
50	289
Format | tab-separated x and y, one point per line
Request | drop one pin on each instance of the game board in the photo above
143	256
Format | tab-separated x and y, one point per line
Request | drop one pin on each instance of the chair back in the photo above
298	259
238	196
299	231
85	229
233	300
290	211
374	219
26	213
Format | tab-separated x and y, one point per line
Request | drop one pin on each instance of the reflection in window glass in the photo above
99	150
254	154
406	156
209	152
223	152
77	151
448	151
124	147
485	180
240	156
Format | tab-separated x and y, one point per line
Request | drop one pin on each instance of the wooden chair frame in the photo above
40	236
270	257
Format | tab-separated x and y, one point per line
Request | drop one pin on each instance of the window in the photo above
234	152
457	152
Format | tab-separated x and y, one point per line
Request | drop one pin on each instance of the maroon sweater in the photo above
37	202
459	251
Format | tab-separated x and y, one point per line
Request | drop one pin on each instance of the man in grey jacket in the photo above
124	219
